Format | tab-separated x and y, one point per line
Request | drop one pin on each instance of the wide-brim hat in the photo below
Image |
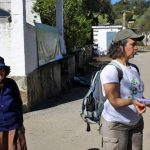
2	65
127	33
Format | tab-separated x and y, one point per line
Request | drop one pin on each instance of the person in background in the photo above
12	132
122	122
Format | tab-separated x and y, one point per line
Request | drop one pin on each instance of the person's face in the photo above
2	74
130	48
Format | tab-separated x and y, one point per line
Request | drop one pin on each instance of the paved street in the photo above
61	128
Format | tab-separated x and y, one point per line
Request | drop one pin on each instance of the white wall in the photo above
17	38
31	58
5	4
30	14
5	40
12	39
5	33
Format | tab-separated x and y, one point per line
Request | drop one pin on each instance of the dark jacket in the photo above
11	114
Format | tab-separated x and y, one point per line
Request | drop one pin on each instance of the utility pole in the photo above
124	17
60	24
124	20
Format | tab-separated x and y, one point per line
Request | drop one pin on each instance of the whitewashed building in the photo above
102	37
18	42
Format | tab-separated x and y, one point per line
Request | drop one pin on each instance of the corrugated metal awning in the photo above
4	13
4	16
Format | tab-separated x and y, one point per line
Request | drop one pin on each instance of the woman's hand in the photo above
140	107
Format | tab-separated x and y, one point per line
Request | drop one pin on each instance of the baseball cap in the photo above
127	33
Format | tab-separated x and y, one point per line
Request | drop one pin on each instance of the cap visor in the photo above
138	37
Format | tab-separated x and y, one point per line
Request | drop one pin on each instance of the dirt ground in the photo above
57	125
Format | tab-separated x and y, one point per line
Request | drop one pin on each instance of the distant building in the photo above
102	37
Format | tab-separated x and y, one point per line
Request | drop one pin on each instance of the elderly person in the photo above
122	122
12	133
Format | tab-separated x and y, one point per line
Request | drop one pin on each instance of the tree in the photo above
76	27
79	16
132	7
144	23
47	11
93	9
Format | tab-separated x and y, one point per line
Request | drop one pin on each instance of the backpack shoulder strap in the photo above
136	67
94	76
120	72
92	85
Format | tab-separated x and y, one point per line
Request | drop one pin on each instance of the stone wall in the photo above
43	83
48	80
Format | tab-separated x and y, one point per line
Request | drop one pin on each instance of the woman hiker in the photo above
122	122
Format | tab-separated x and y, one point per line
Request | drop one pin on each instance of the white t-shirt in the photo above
131	87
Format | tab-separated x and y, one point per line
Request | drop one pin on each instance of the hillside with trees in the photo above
137	13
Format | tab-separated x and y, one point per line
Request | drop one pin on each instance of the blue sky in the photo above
114	1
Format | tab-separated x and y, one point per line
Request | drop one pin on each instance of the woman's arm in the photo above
113	94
